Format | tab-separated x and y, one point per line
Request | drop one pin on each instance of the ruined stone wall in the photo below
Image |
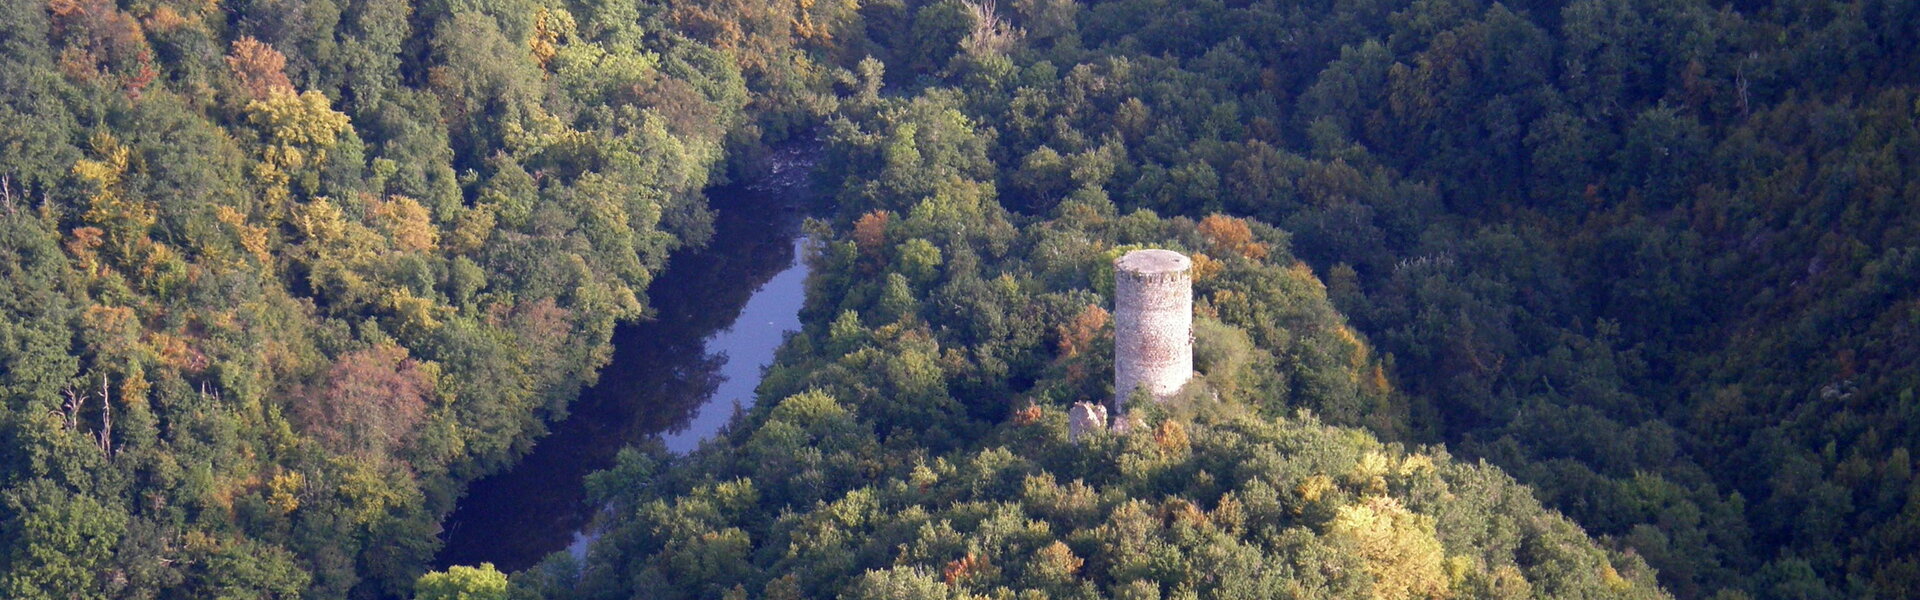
1152	324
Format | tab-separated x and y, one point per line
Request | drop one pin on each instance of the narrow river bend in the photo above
722	310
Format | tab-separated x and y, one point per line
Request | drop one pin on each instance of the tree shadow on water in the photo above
659	377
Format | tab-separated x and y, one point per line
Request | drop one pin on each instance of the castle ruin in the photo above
1085	418
1152	325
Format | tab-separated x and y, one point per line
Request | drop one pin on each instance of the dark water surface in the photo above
722	311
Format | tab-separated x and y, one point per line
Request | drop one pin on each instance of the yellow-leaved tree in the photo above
299	129
1398	547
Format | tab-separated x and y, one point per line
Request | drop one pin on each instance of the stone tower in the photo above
1152	324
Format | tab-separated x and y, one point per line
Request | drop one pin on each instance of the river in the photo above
721	311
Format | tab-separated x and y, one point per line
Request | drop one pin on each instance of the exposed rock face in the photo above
1152	325
1084	418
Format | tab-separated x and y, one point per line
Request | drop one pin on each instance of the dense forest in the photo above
869	472
1475	281
280	277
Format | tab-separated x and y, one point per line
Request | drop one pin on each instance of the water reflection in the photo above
721	313
747	347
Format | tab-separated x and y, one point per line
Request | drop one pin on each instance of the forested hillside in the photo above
912	441
278	277
1656	259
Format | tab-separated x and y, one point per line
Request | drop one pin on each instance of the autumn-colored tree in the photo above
1056	563
406	223
808	28
99	42
1205	267
1171	437
253	238
759	36
299	129
1232	234
550	28
966	567
1080	334
369	401
85	249
165	19
1027	416
1398	547
870	234
124	218
542	325
304	120
687	112
260	68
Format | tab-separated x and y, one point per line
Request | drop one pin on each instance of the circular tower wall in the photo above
1152	324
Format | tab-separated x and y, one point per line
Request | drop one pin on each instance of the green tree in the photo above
461	582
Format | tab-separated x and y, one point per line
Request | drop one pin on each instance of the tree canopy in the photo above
278	278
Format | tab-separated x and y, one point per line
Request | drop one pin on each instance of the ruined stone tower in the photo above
1085	418
1152	324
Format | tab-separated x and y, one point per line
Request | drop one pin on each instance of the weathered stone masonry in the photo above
1085	418
1153	324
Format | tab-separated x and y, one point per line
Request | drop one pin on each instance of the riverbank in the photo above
721	310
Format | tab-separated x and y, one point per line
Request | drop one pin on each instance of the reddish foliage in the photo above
143	74
96	38
541	324
1028	415
870	233
687	112
260	68
1079	335
747	30
964	568
369	402
1232	234
871	230
85	247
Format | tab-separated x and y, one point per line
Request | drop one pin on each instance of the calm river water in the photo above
722	310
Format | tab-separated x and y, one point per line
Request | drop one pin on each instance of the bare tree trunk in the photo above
106	419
